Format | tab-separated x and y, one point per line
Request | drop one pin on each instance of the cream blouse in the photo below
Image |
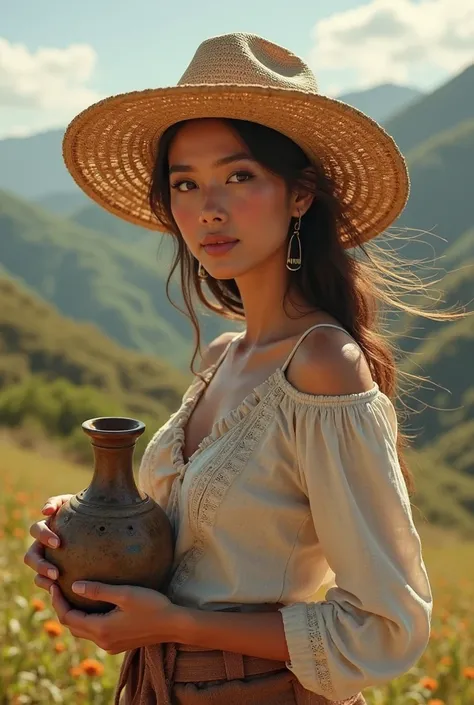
288	490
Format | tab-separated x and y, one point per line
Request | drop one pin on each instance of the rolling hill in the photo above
90	277
46	358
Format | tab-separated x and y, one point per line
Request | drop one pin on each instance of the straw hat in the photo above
109	148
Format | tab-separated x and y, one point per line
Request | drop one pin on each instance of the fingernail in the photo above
53	574
79	588
51	590
48	505
54	543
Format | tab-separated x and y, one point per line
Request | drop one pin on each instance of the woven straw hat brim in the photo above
110	147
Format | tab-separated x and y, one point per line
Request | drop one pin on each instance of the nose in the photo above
212	212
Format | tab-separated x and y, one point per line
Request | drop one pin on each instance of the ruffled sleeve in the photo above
375	623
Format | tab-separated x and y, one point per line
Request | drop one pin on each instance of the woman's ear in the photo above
302	197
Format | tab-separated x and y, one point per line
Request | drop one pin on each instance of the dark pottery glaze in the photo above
110	531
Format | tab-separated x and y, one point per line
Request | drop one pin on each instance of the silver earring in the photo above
202	274
293	261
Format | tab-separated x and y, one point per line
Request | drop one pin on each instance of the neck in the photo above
268	316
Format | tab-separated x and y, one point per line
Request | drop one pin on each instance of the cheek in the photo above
183	210
186	215
264	206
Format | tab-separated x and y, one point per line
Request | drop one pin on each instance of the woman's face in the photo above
219	193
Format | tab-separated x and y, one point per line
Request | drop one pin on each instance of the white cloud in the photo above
393	41
47	79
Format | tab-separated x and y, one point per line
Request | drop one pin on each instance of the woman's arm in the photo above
258	634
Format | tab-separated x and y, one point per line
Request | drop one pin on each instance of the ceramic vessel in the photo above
111	531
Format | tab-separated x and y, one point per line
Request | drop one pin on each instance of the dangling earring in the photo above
202	274
293	262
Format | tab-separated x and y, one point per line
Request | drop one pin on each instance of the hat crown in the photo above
247	59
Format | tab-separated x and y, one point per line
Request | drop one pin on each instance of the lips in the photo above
218	244
220	248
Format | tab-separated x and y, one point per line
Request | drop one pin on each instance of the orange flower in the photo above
429	683
52	628
435	701
21	498
92	667
19	533
446	661
37	604
469	672
59	647
76	671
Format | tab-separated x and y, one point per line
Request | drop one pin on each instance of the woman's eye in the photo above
179	184
241	176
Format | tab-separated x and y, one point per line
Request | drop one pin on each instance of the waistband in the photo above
154	669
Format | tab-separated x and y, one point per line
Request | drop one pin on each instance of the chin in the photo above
225	273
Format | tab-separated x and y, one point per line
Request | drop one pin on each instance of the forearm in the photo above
252	633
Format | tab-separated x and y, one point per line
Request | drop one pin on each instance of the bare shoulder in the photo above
329	362
215	349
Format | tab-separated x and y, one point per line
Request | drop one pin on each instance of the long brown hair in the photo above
360	286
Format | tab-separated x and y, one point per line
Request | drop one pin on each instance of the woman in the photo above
283	466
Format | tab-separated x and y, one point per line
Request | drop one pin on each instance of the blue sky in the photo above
58	57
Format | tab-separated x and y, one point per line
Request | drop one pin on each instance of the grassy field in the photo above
40	662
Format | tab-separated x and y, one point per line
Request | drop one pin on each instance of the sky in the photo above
58	57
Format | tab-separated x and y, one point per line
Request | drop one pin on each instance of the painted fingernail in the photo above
53	574
54	543
79	588
48	505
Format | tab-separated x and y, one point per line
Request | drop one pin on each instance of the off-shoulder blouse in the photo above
288	491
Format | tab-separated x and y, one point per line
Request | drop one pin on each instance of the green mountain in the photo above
441	190
60	372
440	110
117	285
382	102
64	203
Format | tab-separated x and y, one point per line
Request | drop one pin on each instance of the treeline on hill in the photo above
56	373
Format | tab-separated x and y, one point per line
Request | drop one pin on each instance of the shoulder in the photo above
215	349
328	362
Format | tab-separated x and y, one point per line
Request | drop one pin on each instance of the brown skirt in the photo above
179	674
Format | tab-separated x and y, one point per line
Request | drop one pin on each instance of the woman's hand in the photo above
34	557
141	616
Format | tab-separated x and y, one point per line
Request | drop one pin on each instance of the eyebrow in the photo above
237	157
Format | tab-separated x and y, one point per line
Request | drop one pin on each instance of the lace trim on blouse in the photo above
208	488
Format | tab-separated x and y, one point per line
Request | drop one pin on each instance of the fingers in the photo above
34	558
42	533
52	504
119	595
42	582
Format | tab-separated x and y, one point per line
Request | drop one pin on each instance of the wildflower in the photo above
37	604
436	701
92	667
19	533
59	647
76	671
21	498
468	672
52	628
429	683
446	661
